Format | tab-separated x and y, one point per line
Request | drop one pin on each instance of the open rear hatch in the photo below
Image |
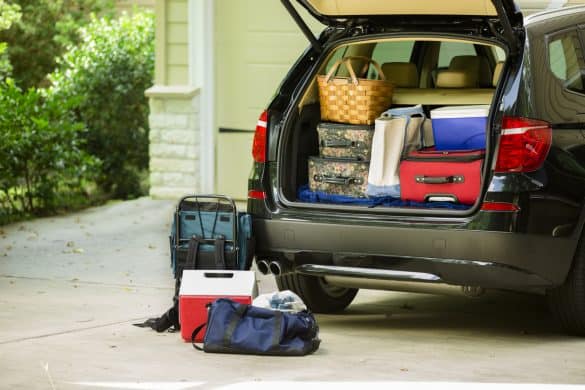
504	16
498	24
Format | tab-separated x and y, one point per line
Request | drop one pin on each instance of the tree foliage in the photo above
9	13
108	73
43	32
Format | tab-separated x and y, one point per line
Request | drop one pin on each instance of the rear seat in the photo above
457	85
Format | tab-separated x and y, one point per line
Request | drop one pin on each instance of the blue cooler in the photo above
460	127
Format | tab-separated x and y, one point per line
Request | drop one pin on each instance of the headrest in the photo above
465	62
497	73
448	78
401	74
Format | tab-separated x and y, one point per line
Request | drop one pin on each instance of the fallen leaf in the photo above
74	280
8	247
21	228
150	246
78	250
404	369
70	244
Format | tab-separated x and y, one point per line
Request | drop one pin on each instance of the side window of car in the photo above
454	49
565	59
337	55
398	51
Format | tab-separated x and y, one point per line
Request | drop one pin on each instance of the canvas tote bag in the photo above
397	133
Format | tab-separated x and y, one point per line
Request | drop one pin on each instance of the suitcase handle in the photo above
338	180
440	179
339	143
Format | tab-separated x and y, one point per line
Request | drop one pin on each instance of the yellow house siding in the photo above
171	42
177	45
128	5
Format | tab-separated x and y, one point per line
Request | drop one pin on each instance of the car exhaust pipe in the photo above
276	268
263	267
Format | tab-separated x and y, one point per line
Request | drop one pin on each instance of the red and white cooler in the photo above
201	287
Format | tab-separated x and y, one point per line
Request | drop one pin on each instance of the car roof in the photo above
546	15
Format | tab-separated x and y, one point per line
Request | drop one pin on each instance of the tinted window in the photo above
566	59
398	51
338	54
453	49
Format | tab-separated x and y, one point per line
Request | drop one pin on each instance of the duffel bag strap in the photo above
233	323
278	318
194	334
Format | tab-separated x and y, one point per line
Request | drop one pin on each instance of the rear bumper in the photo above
462	257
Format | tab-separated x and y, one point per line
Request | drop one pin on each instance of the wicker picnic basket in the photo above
351	99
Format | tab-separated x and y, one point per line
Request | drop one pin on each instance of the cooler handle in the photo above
455	179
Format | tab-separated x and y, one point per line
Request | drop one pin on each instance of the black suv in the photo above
524	232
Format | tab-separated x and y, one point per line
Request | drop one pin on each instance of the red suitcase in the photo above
428	175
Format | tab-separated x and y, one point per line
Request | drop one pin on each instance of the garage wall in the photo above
256	42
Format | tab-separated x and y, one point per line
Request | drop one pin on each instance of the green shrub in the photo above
41	155
43	32
108	74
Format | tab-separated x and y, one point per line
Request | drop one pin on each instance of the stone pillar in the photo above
174	141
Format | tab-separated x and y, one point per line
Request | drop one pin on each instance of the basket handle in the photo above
349	66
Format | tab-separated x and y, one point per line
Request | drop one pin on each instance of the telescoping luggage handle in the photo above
342	180
219	199
455	179
340	143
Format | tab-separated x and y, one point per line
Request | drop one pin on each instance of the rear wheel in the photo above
567	302
318	295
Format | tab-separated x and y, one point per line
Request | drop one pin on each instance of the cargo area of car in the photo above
432	73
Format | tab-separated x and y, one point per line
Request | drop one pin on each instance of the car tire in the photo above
318	295
567	302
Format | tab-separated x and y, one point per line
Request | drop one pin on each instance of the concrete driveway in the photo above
72	286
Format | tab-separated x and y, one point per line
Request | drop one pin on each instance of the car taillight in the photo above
524	144
256	194
259	145
499	206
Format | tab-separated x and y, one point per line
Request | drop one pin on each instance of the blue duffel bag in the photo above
233	327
